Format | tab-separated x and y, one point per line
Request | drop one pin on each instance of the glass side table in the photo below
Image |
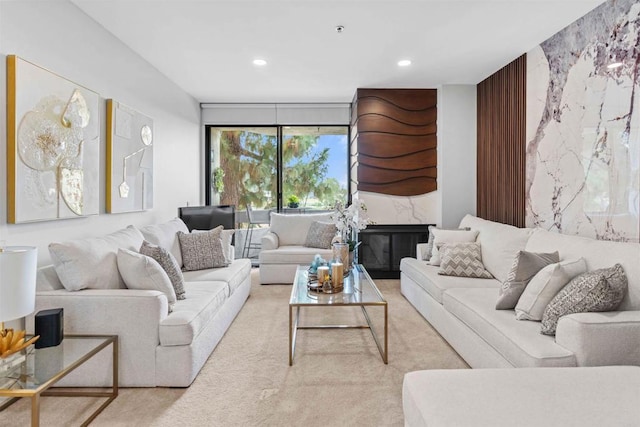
44	367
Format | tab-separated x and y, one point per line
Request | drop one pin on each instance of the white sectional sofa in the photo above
283	247
563	380
463	310
156	348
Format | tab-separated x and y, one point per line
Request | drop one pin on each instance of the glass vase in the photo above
341	254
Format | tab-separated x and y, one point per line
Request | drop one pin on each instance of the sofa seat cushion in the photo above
293	255
518	341
191	315
435	284
233	274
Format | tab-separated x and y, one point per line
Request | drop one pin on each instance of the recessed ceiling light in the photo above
614	65
259	62
404	63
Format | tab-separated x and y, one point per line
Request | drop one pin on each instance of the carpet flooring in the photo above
337	378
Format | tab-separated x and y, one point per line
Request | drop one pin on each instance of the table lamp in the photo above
18	266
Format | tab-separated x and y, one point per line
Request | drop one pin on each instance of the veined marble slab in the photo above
583	130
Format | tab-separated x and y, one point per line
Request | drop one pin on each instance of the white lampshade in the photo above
18	265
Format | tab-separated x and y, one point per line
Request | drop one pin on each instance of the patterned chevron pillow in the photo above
462	260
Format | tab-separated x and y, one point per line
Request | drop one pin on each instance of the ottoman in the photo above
585	396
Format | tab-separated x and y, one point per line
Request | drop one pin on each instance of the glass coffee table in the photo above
44	367
359	291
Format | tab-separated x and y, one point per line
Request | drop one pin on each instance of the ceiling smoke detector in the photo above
339	28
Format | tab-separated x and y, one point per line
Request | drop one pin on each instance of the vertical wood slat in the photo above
502	144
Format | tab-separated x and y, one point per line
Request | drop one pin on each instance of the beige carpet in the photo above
338	377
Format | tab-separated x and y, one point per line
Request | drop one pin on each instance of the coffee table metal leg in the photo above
35	410
293	332
386	338
383	353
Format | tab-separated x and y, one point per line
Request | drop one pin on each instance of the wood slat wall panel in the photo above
395	132
502	145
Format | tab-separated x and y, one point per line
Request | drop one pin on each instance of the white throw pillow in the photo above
545	285
92	263
143	272
449	236
165	235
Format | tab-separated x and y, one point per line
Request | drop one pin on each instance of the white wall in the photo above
58	36
457	150
456	193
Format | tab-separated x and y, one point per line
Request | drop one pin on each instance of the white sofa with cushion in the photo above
564	379
283	247
157	347
463	309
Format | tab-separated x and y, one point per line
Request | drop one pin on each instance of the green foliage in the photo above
249	163
218	180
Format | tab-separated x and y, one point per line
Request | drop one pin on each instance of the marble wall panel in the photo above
583	130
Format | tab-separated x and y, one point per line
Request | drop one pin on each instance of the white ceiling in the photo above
207	46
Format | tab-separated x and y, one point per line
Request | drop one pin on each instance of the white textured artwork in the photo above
53	145
129	159
583	130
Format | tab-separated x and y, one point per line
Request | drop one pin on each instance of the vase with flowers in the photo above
349	220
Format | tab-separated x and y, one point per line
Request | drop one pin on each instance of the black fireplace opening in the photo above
382	246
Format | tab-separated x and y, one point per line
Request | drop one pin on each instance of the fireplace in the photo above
384	245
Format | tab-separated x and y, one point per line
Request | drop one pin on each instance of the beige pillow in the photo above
165	235
143	272
545	285
449	236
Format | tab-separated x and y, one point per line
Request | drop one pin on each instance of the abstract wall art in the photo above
53	145
583	126
129	159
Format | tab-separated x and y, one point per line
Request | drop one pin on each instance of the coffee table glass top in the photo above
358	289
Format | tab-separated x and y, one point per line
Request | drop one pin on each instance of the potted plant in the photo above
293	201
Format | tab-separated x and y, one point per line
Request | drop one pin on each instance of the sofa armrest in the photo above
270	241
420	251
134	315
610	338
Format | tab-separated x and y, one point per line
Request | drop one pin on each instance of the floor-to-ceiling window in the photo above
264	169
278	167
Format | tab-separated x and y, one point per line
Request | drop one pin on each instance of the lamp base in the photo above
12	342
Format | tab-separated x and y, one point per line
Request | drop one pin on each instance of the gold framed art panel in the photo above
129	174
53	145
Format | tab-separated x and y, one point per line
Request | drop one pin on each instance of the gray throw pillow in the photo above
202	250
320	235
599	290
462	260
169	264
525	266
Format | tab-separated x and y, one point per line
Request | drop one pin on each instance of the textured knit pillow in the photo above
599	290
545	285
462	260
168	264
449	236
320	235
143	272
525	266
202	250
226	238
